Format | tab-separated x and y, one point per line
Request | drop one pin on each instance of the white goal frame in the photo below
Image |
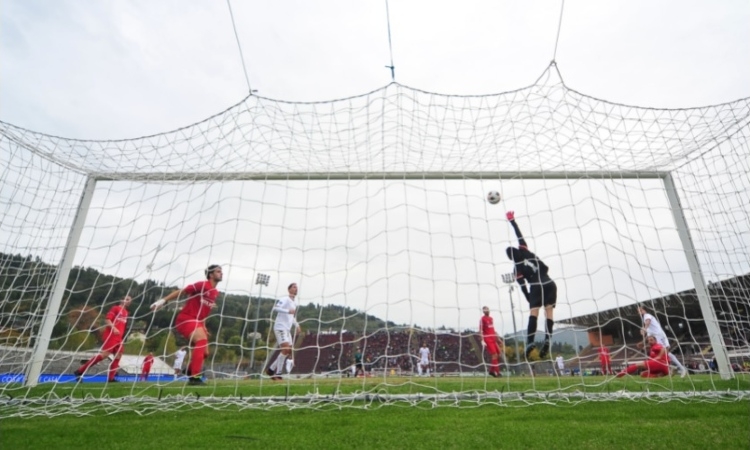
66	263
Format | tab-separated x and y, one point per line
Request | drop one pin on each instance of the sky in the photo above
116	70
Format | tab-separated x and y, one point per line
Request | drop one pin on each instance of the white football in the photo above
493	197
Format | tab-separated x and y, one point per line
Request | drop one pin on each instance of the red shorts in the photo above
655	369
112	343
492	347
186	326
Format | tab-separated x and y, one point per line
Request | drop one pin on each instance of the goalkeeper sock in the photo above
90	363
550	323
197	357
113	369
531	330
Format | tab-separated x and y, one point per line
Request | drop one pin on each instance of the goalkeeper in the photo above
190	321
536	285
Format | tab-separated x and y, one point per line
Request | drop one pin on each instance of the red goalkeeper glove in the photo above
510	215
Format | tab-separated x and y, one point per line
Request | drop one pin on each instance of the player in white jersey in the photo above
285	309
179	358
424	360
652	327
560	364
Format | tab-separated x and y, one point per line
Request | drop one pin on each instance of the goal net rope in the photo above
375	205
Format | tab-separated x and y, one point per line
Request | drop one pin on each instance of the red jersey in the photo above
119	318
603	353
654	352
202	297
487	327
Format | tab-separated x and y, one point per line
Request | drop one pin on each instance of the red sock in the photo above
494	367
632	369
90	363
113	368
197	356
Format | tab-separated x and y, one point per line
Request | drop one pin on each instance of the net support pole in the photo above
704	299
58	290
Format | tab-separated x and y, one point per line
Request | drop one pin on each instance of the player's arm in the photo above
109	320
283	307
172	296
524	288
511	216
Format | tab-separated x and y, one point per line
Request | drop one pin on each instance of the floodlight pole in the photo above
509	279
262	280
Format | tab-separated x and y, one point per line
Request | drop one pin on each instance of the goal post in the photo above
52	311
709	315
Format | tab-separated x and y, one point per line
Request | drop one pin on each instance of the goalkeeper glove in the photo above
510	215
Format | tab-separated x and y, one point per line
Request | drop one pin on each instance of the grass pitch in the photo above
114	417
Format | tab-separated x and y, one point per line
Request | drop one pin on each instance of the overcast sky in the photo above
113	70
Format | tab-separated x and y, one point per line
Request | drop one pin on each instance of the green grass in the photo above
594	425
130	415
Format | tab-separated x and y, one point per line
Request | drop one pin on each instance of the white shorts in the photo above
283	336
424	362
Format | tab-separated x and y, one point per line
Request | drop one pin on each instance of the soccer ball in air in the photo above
493	197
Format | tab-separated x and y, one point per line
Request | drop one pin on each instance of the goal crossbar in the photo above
299	176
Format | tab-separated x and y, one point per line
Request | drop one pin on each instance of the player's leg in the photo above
654	369
115	364
531	328
199	343
494	351
549	299
631	369
676	362
284	340
109	343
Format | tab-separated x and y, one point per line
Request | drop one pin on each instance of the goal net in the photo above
376	207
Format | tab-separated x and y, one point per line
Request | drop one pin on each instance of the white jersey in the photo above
284	320
560	362
654	329
424	355
179	357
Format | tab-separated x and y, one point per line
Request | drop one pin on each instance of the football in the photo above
493	197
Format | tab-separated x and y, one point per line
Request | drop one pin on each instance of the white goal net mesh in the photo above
375	206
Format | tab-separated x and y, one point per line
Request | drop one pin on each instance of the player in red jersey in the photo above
656	365
605	361
148	361
491	340
190	321
116	320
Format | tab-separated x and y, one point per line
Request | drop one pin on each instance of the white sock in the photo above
274	365
676	362
280	363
